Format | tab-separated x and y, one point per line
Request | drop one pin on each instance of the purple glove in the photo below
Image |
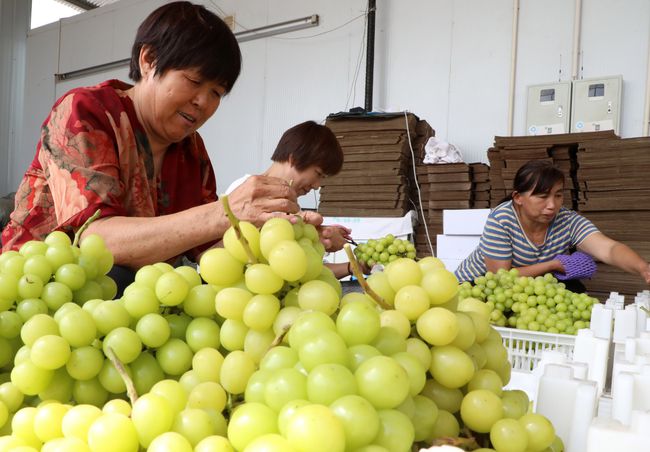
576	266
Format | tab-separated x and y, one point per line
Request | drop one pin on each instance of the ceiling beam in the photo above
83	4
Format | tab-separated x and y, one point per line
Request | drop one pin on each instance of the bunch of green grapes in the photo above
384	250
537	304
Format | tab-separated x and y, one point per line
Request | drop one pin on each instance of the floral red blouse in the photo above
94	154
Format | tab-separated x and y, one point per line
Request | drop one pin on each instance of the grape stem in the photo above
130	387
356	271
84	226
280	337
461	443
235	225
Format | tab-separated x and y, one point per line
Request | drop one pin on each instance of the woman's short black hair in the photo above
310	144
537	177
183	35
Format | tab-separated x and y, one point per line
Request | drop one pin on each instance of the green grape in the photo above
445	398
171	289
308	324
466	336
189	380
441	286
200	301
201	333
360	353
486	379
207	364
207	395
315	428
169	441
193	424
89	392
279	357
250	421
287	411
236	369
93	246
257	343
235	248
124	342
140	300
231	301
329	382
78	328
110	315
29	378
426	415
397	321
89	266
112	432
451	367
325	347
380	372
190	275
389	341
147	276
50	352
30	286
314	263
10	324
72	275
233	334
285	318
110	378
174	357
416	372
283	386
378	282
85	363
271	442
13	266
508	435
412	301
260	312
358	322
32	247
288	260
438	326
38	265
480	409
219	267
214	443
77	421
56	294
396	431
37	326
318	296
29	307
261	279
275	231
11	396
539	430
153	330
173	392
60	387
403	272
359	418
152	415
47	421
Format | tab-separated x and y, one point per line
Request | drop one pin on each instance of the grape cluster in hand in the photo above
384	250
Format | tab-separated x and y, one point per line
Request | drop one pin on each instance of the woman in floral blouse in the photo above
134	152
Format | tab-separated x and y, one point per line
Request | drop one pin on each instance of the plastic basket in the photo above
525	347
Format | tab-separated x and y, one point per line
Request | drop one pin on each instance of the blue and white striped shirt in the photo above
504	239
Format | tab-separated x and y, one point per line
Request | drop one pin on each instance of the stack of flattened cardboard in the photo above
374	180
480	174
510	153
614	188
442	186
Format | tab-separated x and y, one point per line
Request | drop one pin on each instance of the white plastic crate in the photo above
525	347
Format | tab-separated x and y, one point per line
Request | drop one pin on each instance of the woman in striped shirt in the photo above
529	230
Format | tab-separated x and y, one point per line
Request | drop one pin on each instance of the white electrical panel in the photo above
596	104
548	108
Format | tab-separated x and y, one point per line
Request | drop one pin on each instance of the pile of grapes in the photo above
258	353
527	303
384	250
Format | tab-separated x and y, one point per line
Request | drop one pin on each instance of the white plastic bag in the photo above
438	151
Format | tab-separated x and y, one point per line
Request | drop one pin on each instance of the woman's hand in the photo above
260	198
645	274
333	237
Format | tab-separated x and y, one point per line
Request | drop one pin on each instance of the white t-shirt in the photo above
237	183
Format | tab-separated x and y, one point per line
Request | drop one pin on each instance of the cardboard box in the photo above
464	222
456	246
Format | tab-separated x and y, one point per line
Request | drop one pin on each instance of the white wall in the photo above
448	61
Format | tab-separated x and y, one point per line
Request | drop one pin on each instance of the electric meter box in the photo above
549	106
596	104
